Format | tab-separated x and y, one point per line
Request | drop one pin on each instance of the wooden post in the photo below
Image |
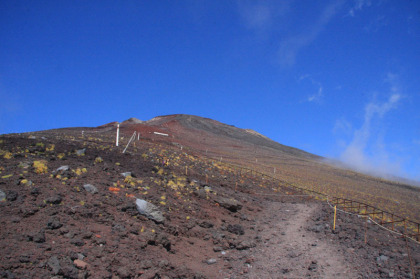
207	179
186	170
418	232
335	216
392	219
408	250
367	218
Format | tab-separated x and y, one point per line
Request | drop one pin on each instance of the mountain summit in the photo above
207	135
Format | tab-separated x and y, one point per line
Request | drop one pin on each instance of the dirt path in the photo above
288	250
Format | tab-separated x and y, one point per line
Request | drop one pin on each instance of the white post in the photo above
118	134
138	136
133	137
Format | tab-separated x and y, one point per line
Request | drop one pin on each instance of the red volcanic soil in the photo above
219	222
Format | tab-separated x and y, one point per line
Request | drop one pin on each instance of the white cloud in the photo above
290	47
257	16
342	126
367	151
376	23
316	97
260	15
359	5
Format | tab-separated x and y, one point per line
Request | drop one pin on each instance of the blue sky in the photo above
336	78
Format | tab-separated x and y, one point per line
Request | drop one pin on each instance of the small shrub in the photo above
40	166
61	156
50	147
80	171
8	155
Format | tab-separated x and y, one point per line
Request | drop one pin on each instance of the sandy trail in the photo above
288	250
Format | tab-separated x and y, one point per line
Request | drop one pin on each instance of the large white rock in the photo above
149	210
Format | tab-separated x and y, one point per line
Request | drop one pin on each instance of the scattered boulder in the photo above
126	174
246	244
201	193
381	260
217	249
235	229
230	204
211	261
54	265
90	188
54	224
56	199
2	195
24	259
35	192
11	195
81	152
37	237
149	210
24	165
64	171
77	242
206	225
80	264
61	169
124	272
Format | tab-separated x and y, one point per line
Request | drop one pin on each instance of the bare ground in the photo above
289	251
51	226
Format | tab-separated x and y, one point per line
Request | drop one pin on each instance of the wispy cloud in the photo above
290	47
342	126
358	5
260	15
376	23
367	152
319	94
316	97
257	16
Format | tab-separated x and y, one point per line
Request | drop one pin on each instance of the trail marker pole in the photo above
413	273
335	216
132	138
118	134
367	219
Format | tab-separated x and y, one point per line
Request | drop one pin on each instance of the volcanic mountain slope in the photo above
248	148
69	208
